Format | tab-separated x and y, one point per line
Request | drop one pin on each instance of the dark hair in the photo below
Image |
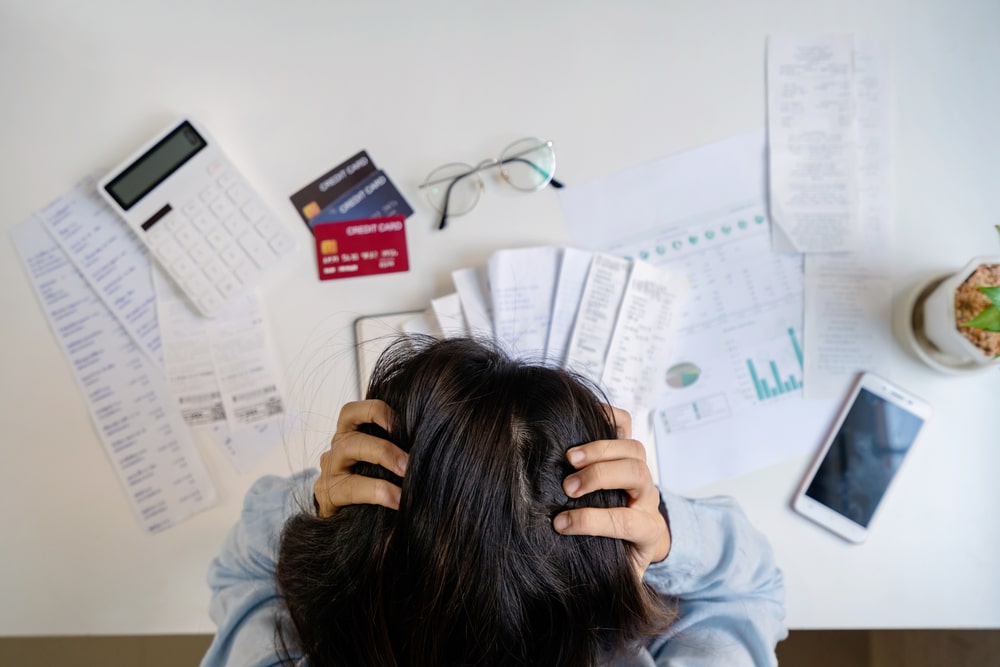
469	570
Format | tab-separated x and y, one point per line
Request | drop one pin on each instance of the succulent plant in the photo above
988	318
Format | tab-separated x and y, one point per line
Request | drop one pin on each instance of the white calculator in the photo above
197	214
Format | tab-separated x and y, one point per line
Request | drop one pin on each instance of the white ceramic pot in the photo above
939	317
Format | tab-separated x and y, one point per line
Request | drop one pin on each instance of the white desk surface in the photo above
291	89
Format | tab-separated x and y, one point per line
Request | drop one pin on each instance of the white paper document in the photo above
131	406
113	261
195	379
811	143
451	319
643	336
573	273
597	313
848	303
424	324
188	356
472	287
522	286
736	356
244	364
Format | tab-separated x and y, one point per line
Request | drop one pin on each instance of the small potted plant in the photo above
960	316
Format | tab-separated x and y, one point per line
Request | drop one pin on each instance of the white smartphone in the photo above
870	438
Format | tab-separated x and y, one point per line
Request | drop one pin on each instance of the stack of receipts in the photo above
607	318
149	368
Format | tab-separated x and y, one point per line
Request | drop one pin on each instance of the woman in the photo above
480	510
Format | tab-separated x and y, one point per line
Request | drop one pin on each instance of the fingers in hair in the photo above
621	523
628	474
361	490
355	446
371	411
606	450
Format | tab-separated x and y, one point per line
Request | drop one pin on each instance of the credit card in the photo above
375	197
332	185
361	247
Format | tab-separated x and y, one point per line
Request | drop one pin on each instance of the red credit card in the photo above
361	247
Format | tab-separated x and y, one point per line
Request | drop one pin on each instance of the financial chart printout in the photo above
731	398
738	339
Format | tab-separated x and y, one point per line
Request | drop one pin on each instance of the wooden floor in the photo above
891	648
883	648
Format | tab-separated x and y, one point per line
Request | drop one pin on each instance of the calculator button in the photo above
233	257
218	238
183	266
236	224
215	168
227	285
168	251
214	269
210	194
282	243
254	211
226	180
191	208
267	228
156	235
239	194
257	249
174	221
202	222
221	208
187	235
197	283
246	272
201	253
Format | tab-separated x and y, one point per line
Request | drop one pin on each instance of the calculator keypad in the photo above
219	240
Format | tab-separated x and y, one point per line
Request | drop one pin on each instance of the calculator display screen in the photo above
155	165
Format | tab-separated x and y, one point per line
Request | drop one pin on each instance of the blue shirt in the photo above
720	569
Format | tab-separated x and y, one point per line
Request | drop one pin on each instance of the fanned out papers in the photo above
606	318
147	378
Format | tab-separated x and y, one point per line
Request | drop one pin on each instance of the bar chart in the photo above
770	382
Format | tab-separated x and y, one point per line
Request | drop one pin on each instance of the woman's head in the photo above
469	570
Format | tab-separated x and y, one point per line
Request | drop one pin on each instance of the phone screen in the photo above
865	455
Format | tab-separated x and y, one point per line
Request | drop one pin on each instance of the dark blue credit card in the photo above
375	197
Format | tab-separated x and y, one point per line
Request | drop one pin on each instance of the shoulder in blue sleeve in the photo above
245	604
730	592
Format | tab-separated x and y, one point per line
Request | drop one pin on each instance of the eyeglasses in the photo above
454	189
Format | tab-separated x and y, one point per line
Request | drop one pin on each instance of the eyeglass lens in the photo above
457	184
528	164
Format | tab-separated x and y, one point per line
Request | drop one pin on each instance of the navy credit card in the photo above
375	197
332	185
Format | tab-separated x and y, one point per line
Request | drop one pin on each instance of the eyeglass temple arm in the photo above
552	181
447	198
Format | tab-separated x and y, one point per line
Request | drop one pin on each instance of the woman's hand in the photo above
337	486
617	464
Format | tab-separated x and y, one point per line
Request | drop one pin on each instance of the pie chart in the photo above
683	375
